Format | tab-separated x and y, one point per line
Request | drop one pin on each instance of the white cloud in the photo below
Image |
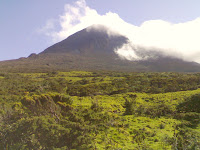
50	25
179	40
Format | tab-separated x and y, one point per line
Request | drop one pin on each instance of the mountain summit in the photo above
96	39
94	48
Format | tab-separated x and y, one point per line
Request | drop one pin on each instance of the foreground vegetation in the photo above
99	110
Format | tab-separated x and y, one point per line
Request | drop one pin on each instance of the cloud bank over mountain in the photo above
175	40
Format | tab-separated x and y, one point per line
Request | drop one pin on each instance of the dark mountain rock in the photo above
89	41
33	55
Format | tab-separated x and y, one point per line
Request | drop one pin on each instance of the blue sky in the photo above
21	21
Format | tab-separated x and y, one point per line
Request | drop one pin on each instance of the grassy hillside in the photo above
99	110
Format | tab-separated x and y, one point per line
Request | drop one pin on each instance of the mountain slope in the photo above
89	41
91	49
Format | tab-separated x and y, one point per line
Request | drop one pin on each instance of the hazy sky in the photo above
24	24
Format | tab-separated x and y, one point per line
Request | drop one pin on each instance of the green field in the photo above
99	110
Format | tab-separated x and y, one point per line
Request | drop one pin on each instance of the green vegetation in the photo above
99	110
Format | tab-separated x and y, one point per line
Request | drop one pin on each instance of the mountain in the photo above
89	41
92	49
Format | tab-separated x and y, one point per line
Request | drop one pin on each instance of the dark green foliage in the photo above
185	138
46	103
190	110
49	121
191	104
130	105
135	82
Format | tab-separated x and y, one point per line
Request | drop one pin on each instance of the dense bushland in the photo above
99	110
